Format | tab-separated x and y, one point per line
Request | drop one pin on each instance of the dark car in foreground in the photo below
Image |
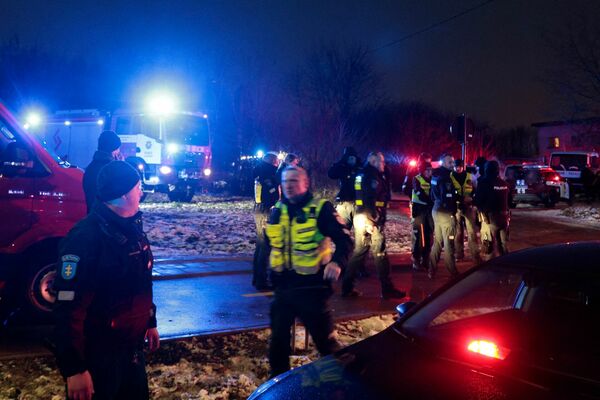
535	184
522	326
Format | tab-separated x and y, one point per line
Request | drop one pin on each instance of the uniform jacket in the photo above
373	193
101	158
328	225
443	193
266	186
466	184
104	289
491	195
345	174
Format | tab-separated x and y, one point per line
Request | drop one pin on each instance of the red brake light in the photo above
556	178
412	163
488	349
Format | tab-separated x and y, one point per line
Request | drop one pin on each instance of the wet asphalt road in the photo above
217	297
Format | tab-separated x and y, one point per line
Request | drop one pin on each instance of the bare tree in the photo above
329	90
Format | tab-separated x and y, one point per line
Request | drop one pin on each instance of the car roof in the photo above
576	257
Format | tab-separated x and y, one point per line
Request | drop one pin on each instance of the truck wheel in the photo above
174	195
39	297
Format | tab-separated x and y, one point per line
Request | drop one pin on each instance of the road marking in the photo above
259	294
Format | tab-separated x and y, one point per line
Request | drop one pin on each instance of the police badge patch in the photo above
69	266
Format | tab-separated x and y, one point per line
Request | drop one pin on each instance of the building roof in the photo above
584	121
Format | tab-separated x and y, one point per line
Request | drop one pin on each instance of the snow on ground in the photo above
216	368
579	214
214	225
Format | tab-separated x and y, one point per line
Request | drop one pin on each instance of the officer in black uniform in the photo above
104	307
300	230
266	194
445	200
109	144
491	198
466	215
345	171
422	221
290	160
373	194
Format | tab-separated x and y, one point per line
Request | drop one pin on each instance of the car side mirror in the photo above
404	307
137	150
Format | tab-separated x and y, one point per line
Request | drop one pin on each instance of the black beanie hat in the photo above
108	141
116	179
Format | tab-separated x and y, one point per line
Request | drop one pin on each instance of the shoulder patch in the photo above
69	266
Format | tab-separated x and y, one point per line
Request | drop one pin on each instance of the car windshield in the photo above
548	318
176	128
567	161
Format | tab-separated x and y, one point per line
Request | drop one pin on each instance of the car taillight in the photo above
488	349
412	163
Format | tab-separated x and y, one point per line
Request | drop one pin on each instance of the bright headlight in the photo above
207	172
165	170
173	148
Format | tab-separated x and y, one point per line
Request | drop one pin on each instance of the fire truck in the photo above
41	198
172	151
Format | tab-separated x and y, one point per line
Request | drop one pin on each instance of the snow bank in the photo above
216	368
224	226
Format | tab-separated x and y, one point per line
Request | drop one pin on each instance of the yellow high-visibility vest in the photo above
298	244
425	186
466	189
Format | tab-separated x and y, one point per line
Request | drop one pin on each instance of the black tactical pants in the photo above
373	241
467	220
311	306
261	252
444	233
119	376
421	240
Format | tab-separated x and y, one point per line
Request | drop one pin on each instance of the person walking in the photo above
266	194
466	214
422	221
345	171
103	286
373	194
300	229
109	144
491	198
445	201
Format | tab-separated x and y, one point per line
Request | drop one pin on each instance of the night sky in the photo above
489	63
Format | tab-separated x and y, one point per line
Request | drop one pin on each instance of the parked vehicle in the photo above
534	184
173	152
521	326
41	198
573	166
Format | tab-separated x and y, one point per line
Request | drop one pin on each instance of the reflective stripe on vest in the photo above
467	188
298	245
426	186
358	190
257	192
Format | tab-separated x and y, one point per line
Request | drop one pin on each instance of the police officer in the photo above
290	160
422	221
445	200
345	171
373	194
302	266
109	144
104	307
266	194
412	172
466	215
491	198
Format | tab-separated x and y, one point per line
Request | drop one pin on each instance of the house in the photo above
570	135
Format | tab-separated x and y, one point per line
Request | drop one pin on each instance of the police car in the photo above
521	326
535	184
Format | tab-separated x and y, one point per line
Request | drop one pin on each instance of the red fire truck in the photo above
41	198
